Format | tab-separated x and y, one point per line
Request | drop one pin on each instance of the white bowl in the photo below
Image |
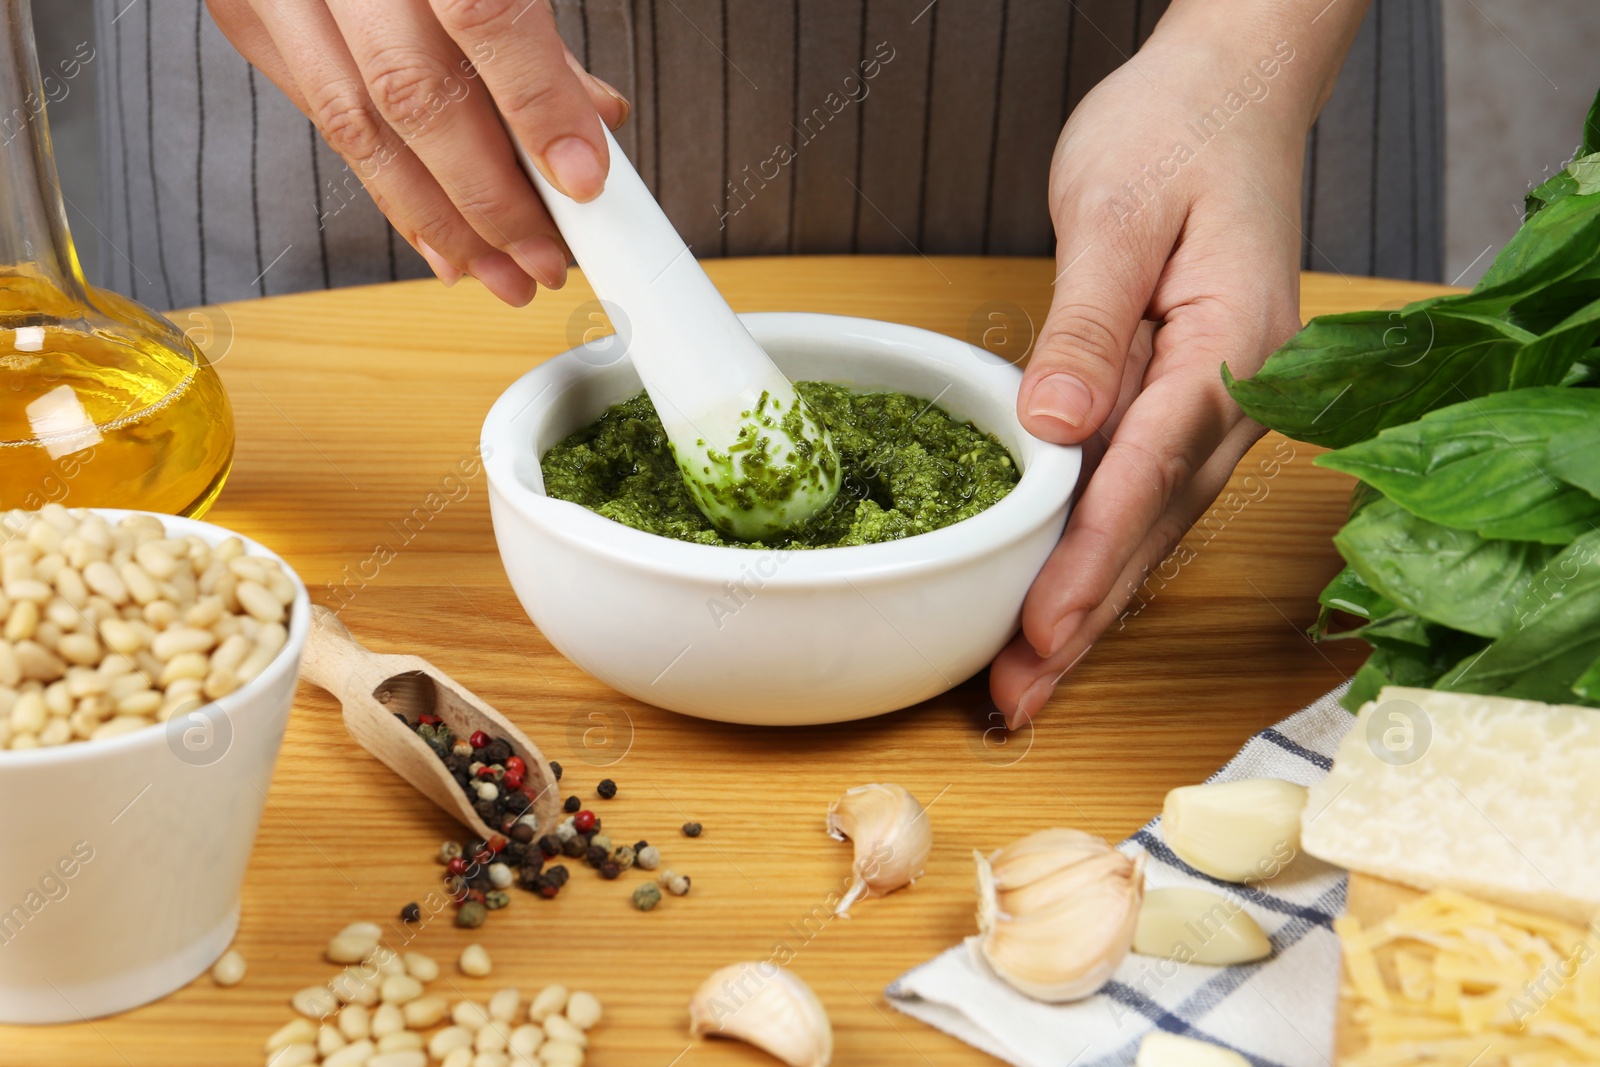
768	636
155	828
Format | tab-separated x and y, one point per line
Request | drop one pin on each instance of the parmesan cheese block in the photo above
1494	797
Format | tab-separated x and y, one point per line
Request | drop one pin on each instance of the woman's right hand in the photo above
410	94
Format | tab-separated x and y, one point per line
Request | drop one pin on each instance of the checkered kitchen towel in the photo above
1277	1013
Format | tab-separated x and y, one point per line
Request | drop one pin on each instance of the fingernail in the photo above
1061	397
575	166
443	269
541	257
500	275
1063	633
627	108
1032	700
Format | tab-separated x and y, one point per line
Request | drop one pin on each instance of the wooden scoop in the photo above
375	688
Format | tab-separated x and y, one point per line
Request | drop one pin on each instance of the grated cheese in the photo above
1451	980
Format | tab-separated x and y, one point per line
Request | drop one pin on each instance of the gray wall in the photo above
1518	79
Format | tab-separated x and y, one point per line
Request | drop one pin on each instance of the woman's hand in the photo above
406	91
1175	191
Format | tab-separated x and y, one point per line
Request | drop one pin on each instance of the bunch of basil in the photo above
1473	424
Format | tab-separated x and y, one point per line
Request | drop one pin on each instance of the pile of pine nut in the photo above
110	629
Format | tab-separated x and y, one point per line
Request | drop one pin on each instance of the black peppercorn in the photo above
575	847
529	877
607	789
640	846
550	845
514	854
596	856
547	887
411	913
610	870
555	769
559	873
405	720
521	832
481	882
572	804
691	829
496	751
485	809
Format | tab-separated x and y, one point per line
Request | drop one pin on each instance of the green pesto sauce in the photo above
908	467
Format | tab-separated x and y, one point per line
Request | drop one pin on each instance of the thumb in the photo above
1075	373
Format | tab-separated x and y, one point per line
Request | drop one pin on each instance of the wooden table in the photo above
355	408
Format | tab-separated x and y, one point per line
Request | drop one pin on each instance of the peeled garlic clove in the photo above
768	1007
1060	937
1194	926
891	835
1236	831
1161	1049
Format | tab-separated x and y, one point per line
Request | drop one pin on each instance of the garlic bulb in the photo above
766	1006
891	835
1056	913
1244	831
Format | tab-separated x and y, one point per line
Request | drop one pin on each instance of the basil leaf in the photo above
1409	666
1587	687
1362	495
1575	459
1349	592
1448	576
1559	241
1546	360
1556	187
1556	639
1345	377
1480	465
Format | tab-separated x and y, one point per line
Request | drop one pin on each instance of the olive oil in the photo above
103	403
108	419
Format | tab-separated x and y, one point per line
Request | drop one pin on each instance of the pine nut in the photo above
79	648
69	583
156	560
229	970
293	1032
314	1002
258	601
122	724
100	577
23	621
140	585
181	639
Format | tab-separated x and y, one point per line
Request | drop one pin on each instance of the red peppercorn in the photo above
484	856
478	739
429	720
485	772
514	765
512	780
457	866
583	822
497	843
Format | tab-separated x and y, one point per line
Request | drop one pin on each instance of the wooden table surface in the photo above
355	409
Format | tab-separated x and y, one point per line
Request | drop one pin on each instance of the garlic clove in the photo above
1194	926
1244	831
1161	1049
1041	853
766	1006
892	839
1061	936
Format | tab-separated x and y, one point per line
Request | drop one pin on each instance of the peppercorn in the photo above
559	873
481	882
595	856
678	885
609	870
622	856
499	875
449	850
439	747
457	865
471	915
411	913
515	854
528	876
600	839
521	832
512	780
484	808
403	719
584	821
691	829
488	791
550	845
496	900
574	847
639	846
648	857
555	769
497	751
461	748
429	720
497	843
572	804
478	739
646	896
607	789
547	887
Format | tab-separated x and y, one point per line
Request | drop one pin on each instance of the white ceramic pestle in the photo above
754	459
